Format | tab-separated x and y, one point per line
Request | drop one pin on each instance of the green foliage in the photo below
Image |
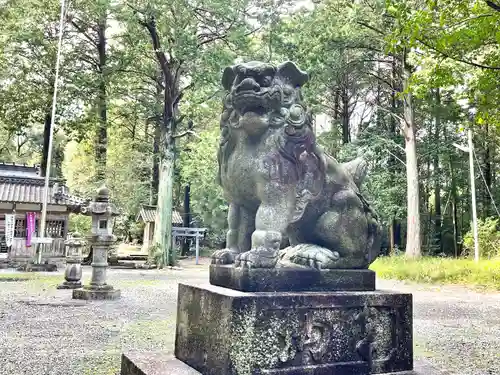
155	255
199	167
352	51
127	175
81	224
486	273
489	239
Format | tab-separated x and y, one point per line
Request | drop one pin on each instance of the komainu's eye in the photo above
266	81
297	115
296	112
287	91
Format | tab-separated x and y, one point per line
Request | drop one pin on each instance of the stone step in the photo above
139	363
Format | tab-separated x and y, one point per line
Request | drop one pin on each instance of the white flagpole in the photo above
43	219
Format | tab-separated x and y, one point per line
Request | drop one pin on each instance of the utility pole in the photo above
473	194
470	150
43	219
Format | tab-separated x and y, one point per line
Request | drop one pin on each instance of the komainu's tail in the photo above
357	168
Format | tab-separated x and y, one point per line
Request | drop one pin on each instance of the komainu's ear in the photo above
228	77
293	74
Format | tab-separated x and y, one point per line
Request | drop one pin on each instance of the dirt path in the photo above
455	328
44	332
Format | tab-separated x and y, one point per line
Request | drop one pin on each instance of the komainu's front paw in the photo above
224	256
257	258
309	255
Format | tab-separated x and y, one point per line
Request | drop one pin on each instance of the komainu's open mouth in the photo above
258	102
250	101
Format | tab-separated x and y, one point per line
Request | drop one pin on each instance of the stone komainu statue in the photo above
281	185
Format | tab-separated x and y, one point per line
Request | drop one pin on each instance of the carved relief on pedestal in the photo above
326	336
323	336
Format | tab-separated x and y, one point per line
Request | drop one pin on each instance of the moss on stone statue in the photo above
261	346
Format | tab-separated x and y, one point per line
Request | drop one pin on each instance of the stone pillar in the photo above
73	273
99	266
101	239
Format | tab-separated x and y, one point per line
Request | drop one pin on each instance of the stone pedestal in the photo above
98	289
92	293
70	285
291	279
222	331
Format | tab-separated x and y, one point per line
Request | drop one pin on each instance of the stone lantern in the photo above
73	273
101	239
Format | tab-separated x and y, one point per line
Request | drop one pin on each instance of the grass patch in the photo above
149	334
484	274
106	363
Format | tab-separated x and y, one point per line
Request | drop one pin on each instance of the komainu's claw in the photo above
308	255
257	258
225	256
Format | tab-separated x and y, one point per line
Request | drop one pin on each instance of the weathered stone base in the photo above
164	364
291	279
154	364
97	294
70	285
226	332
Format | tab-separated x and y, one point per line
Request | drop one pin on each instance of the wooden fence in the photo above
51	252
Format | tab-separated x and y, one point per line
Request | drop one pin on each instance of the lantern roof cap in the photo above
101	204
102	194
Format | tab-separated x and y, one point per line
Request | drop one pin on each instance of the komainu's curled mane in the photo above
281	185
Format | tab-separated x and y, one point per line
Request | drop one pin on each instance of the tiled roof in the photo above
30	190
148	214
19	170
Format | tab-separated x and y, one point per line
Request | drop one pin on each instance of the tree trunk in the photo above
454	208
437	174
165	195
171	96
394	83
453	198
102	129
336	103
392	134
487	174
187	216
424	191
393	243
345	116
46	138
155	173
413	237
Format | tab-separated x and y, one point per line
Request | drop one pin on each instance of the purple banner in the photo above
30	227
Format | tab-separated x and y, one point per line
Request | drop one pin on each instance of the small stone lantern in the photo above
101	239
73	273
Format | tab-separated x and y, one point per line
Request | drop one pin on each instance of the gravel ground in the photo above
455	328
44	332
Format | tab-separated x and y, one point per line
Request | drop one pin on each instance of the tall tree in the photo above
182	37
29	45
90	20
